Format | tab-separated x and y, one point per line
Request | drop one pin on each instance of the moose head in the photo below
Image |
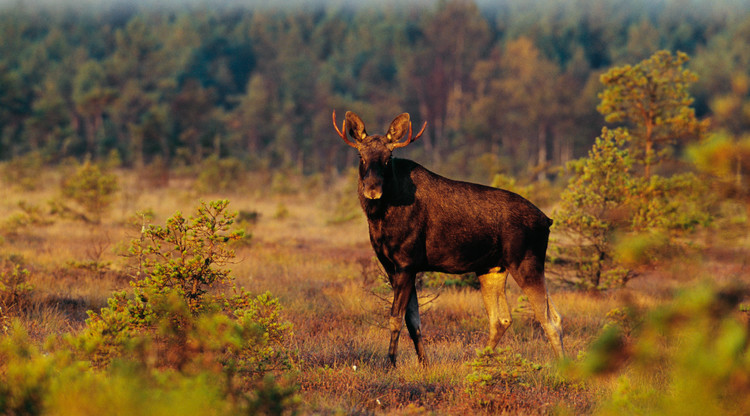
375	151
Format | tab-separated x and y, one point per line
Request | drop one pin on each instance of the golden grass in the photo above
323	273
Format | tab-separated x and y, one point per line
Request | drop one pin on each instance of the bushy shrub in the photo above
605	201
220	174
282	182
23	171
726	159
500	381
186	254
15	290
691	356
178	317
90	190
345	201
29	215
501	367
53	382
594	206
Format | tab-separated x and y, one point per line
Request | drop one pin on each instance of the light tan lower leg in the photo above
547	316
498	311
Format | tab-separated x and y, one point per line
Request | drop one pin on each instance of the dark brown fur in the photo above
420	221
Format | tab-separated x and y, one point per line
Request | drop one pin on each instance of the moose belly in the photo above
450	253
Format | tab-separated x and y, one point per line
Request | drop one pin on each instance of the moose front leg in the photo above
405	304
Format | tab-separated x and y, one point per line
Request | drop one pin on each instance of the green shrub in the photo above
509	183
15	290
691	356
30	215
25	374
23	171
186	254
493	368
91	190
246	220
498	378
220	174
437	279
177	315
677	203
594	207
637	249
53	382
346	203
726	159
606	202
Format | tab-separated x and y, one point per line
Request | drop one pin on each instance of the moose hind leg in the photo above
414	326
495	303
531	279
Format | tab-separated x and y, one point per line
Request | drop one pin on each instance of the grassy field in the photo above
309	247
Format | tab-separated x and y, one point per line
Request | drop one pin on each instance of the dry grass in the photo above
324	272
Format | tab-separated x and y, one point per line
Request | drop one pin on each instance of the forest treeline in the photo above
510	87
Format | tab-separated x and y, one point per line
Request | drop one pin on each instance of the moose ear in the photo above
398	128
356	126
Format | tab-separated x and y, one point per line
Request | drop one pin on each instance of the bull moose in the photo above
420	221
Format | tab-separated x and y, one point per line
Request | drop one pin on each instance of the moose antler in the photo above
409	139
342	132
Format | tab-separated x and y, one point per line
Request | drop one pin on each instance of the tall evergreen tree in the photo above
652	98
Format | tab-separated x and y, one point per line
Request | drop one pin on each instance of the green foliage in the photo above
346	206
30	215
678	203
91	190
220	174
24	374
726	159
594	207
509	183
437	279
652	98
610	217
632	250
15	290
691	356
245	222
494	370
177	318
185	255
250	81
23	171
52	382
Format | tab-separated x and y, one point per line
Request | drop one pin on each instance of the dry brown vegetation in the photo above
324	273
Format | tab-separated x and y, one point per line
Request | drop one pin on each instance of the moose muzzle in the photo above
373	187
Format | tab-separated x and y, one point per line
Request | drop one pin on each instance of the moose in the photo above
420	221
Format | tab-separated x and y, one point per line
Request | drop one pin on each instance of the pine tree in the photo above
652	98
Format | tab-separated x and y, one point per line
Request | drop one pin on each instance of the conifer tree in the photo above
652	99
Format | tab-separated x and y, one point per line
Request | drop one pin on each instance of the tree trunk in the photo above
542	151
